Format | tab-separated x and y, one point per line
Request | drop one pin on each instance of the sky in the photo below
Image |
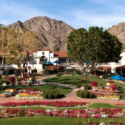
76	13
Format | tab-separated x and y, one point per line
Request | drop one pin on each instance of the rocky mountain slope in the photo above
118	31
51	32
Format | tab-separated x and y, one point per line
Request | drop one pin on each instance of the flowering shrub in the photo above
111	81
94	83
50	103
80	113
106	95
113	86
11	79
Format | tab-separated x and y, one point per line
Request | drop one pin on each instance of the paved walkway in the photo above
69	97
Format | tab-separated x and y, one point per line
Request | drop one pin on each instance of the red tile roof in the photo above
60	54
123	51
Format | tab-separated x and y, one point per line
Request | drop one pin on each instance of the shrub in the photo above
4	81
84	94
94	83
78	72
78	93
11	79
19	78
45	95
56	95
111	81
91	95
87	87
52	94
3	77
59	74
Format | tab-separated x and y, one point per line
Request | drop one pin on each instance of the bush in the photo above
78	93
56	95
87	87
78	72
59	74
52	94
45	95
4	81
3	77
91	95
84	94
19	78
94	83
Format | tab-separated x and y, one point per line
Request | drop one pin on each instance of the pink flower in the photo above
85	79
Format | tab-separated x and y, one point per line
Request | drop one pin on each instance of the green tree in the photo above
95	45
56	48
16	45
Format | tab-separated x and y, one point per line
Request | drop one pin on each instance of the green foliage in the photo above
78	72
95	45
59	74
84	94
3	77
52	94
87	87
78	93
56	48
68	71
4	81
19	77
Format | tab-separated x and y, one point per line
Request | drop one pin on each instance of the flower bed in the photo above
88	113
106	95
29	93
50	103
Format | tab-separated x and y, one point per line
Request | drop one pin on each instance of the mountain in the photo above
118	31
51	32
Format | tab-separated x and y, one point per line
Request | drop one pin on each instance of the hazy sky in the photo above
76	13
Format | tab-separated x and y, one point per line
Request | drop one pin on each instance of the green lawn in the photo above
64	90
78	81
46	120
75	80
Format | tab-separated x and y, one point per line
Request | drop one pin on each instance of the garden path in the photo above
70	97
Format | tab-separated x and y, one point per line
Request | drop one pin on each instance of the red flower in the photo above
94	83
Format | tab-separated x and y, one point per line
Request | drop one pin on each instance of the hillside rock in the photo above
118	31
50	31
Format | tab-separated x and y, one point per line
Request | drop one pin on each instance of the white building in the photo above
46	55
38	58
115	67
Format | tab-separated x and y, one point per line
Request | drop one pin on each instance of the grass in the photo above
78	81
44	87
46	120
74	80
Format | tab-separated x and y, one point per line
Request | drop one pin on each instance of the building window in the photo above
43	53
